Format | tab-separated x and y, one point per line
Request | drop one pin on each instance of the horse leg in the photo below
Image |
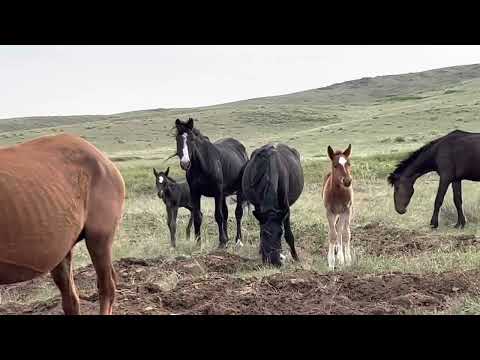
171	226
340	225
332	239
346	237
219	199
457	199
189	226
238	216
62	276
442	190
225	217
99	246
289	237
197	217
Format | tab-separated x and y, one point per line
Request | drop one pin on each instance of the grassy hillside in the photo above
377	115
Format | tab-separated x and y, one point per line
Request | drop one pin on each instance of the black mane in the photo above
405	163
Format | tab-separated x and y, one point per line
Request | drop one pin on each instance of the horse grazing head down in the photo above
184	138
161	182
341	169
271	231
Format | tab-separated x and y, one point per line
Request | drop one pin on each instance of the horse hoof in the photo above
239	244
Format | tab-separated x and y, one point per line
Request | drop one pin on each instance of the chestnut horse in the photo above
54	192
338	201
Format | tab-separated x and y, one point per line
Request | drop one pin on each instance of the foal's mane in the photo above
405	163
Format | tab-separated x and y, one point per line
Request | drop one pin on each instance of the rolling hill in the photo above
377	115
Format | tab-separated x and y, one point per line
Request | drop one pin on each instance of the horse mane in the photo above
405	163
262	166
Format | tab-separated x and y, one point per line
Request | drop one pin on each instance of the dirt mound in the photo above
377	239
206	285
311	293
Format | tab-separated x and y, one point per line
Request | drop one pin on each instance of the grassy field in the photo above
383	118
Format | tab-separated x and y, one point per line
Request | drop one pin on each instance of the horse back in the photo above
273	178
291	168
233	157
458	154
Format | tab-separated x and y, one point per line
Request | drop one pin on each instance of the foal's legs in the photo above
62	275
238	216
189	226
99	245
332	239
289	237
339	245
172	224
346	236
442	190
457	199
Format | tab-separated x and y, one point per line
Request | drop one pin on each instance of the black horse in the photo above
213	170
455	157
272	182
174	195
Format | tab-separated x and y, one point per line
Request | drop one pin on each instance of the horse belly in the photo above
37	233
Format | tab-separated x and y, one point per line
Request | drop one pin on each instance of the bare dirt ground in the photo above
377	239
210	284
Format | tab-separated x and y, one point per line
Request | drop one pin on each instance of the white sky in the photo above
76	80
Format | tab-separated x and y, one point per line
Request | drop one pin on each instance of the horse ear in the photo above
155	172
330	152
166	172
348	151
190	123
177	122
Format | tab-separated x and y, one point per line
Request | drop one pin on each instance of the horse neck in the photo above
202	152
422	165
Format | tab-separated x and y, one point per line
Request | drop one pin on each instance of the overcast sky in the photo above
70	80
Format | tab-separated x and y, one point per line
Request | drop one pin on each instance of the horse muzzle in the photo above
347	182
401	211
185	165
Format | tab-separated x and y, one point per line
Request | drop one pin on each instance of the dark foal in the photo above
174	195
455	157
213	170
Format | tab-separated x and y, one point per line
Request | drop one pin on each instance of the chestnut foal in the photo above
338	201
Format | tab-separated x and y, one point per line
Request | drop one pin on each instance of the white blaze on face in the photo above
342	161
160	179
185	157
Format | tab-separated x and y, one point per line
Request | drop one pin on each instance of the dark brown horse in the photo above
454	157
54	192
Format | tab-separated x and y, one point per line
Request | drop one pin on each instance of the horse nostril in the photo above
185	165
